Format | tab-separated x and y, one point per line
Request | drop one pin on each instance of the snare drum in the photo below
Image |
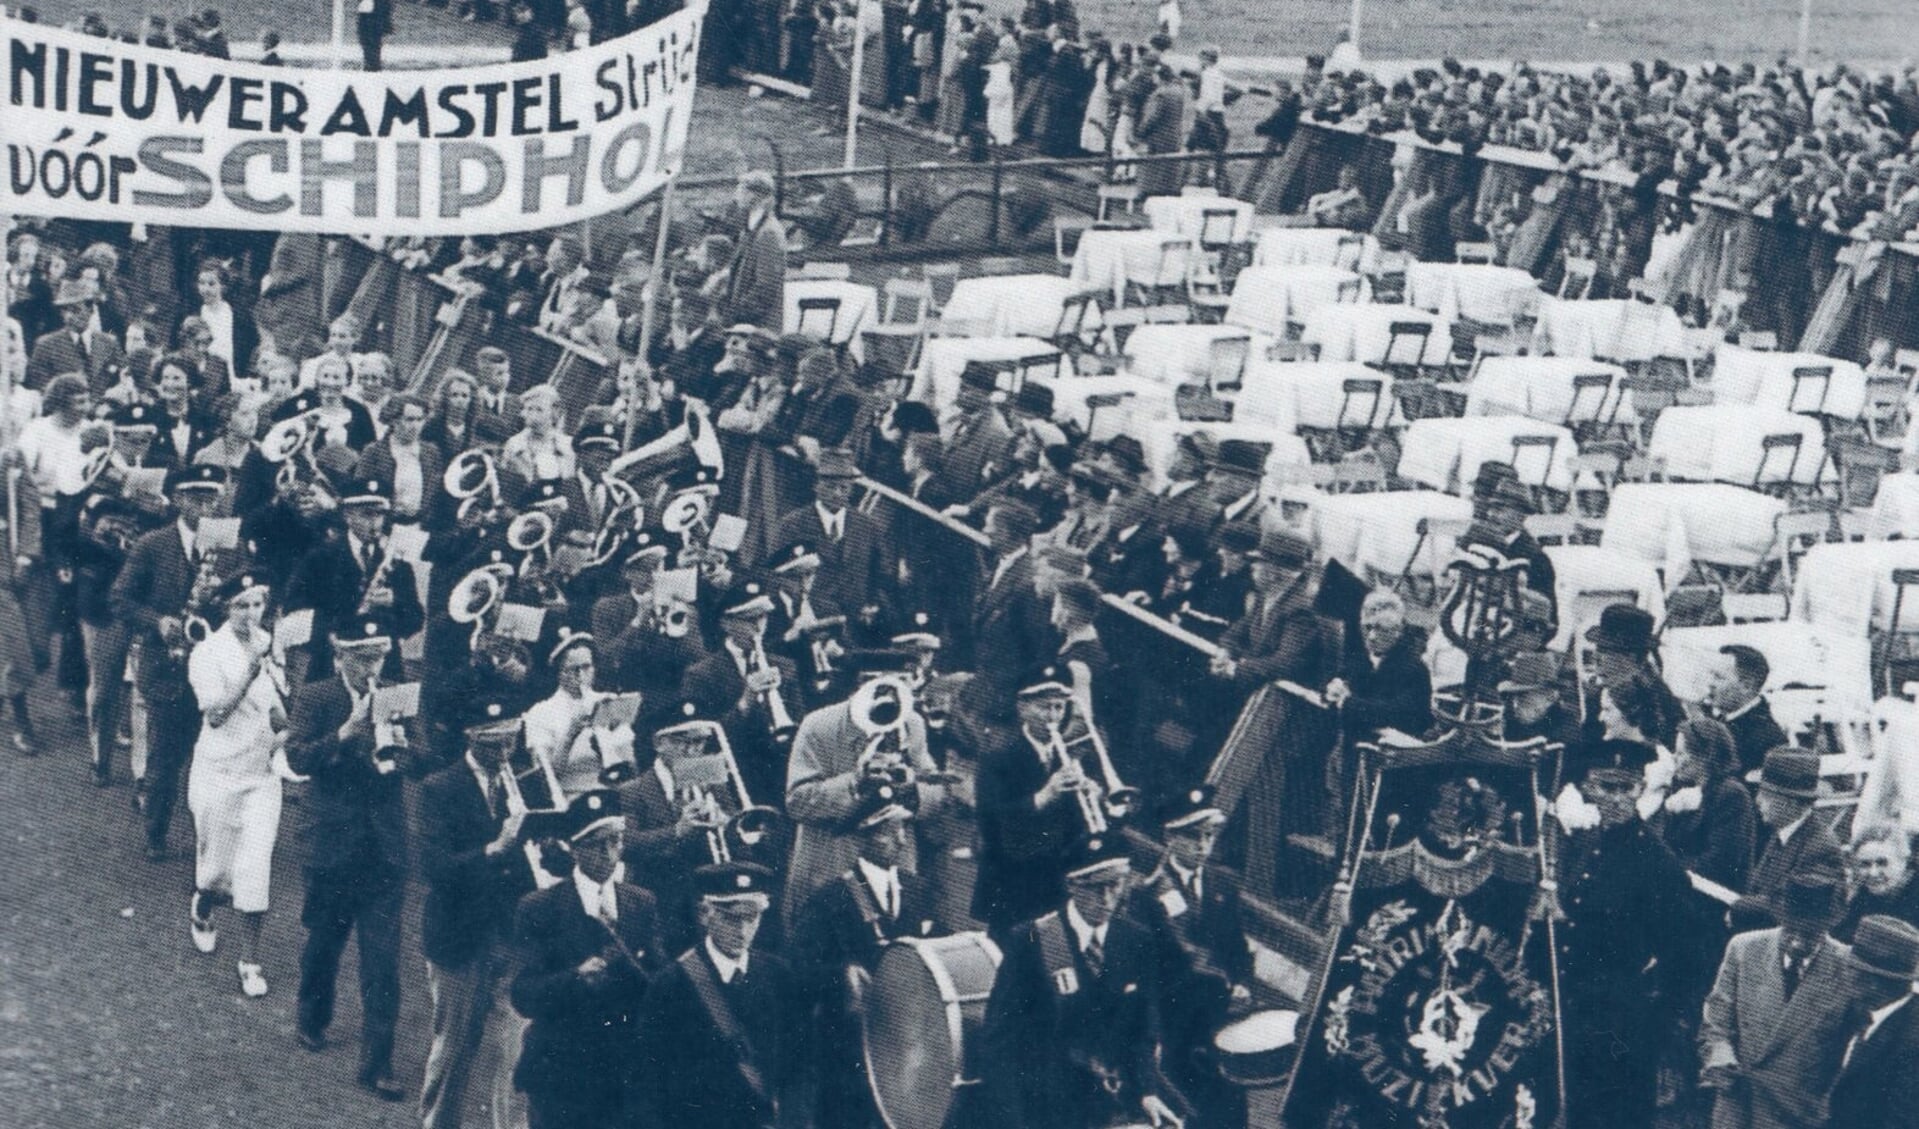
1256	1050
922	1022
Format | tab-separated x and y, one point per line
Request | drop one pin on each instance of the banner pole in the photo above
650	304
853	83
339	34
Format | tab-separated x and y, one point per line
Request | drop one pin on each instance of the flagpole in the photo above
339	34
853	83
1805	33
649	305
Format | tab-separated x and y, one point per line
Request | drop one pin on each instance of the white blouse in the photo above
243	745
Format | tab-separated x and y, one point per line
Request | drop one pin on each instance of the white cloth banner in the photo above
95	128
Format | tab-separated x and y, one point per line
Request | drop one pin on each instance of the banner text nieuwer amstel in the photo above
99	129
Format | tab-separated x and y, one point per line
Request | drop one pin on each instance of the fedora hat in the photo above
1886	947
1790	772
1809	899
1622	627
1284	548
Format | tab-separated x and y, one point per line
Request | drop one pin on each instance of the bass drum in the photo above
922	1025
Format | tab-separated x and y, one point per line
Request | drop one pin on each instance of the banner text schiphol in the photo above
94	127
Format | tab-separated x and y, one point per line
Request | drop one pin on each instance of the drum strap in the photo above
706	986
868	905
1056	954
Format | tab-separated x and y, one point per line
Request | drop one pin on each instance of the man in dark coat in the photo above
1009	629
739	683
1798	838
1027	815
1386	685
475	878
1627	940
837	939
1877	1085
1161	128
73	347
1072	1032
588	947
718	1042
979	450
357	851
1205	963
632	634
337	579
756	278
1737	696
151	597
849	542
373	22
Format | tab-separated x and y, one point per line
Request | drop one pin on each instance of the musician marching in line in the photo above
838	936
1071	1038
475	876
553	724
357	850
751	692
719	1037
356	574
1026	817
635	629
157	586
233	789
1205	964
666	829
806	627
588	947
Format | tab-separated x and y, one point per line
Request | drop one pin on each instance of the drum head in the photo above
1258	1033
911	1057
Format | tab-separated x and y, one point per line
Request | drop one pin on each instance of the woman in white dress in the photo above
233	789
999	92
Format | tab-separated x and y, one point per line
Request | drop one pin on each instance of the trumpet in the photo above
194	625
780	719
1104	801
378	578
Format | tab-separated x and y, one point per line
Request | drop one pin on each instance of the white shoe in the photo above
253	984
205	936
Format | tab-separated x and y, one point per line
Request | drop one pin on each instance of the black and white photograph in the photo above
959	564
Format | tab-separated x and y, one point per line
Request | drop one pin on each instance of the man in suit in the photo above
838	935
756	278
1877	1084
1071	1038
73	347
979	447
666	837
740	682
356	846
851	549
633	637
337	579
1009	631
873	739
372	22
151	595
1387	686
475	876
1736	695
1205	963
588	948
718	1043
494	403
1028	817
1798	839
1775	1024
806	626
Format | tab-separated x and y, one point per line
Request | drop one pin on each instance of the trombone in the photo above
531	788
1104	801
704	783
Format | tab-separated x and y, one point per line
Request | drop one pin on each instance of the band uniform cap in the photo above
1043	682
749	599
1284	548
367	492
1809	899
733	882
1533	670
201	476
647	554
921	637
1245	456
1193	807
598	428
836	463
360	632
541	491
876	661
689	721
800	556
1096	854
915	418
74	292
134	417
593	810
1625	628
1886	947
568	640
1790	772
486	715
238	585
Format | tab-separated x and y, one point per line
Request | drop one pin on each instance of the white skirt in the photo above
236	820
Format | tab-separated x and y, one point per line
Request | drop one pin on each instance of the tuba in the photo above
473	480
624	517
474	599
694	439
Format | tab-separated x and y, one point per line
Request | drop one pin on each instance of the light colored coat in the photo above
1787	1051
822	793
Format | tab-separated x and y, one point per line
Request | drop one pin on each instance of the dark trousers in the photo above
372	32
557	1110
173	724
364	900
